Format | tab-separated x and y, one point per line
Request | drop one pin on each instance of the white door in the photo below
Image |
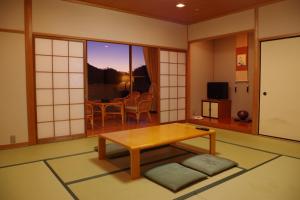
214	110
280	88
205	109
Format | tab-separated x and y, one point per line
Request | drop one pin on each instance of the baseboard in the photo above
11	146
60	139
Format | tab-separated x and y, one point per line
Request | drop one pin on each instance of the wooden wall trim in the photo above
11	30
256	77
39	34
220	36
188	83
31	112
12	146
277	37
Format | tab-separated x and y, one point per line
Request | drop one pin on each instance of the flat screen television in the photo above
217	90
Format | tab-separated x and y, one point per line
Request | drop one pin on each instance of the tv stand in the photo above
216	108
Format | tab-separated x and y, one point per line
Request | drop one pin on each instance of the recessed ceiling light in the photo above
106	46
180	5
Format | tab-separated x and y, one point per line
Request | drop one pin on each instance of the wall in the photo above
65	18
224	70
223	25
12	14
279	19
13	118
13	108
201	66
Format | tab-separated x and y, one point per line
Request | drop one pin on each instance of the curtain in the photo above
151	60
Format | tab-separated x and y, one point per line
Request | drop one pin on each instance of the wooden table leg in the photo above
122	113
212	143
102	114
135	163
101	148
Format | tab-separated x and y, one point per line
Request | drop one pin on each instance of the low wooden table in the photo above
103	106
137	139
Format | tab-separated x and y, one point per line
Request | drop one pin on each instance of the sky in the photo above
103	55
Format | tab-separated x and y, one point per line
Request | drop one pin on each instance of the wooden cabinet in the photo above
219	109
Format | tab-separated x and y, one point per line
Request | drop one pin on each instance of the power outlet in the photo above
12	139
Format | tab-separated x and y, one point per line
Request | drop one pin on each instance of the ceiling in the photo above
195	10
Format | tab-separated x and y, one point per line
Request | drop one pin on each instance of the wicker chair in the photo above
143	105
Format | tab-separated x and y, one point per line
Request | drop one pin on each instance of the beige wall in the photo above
224	70
13	118
65	18
201	65
279	19
12	14
223	25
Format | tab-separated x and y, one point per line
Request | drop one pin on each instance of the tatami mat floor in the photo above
268	169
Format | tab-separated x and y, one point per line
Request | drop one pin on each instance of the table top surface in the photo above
143	138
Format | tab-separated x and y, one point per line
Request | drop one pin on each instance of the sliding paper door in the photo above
280	91
59	67
172	86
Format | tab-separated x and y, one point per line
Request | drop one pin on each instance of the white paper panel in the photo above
45	130
164	116
173	92
43	46
173	115
181	80
164	68
43	63
60	80
43	80
61	96
76	49
181	69
173	104
181	103
164	80
173	57
62	128
60	48
44	97
77	111
75	64
181	57
173	69
76	96
76	80
181	114
164	56
61	112
173	80
164	104
77	126
181	91
44	113
164	93
60	64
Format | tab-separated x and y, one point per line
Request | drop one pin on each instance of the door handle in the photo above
265	93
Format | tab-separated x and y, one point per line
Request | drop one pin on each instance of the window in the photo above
110	74
140	78
108	70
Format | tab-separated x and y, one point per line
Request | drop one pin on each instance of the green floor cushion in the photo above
209	164
114	150
174	176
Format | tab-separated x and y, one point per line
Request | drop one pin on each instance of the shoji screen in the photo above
59	71
172	86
